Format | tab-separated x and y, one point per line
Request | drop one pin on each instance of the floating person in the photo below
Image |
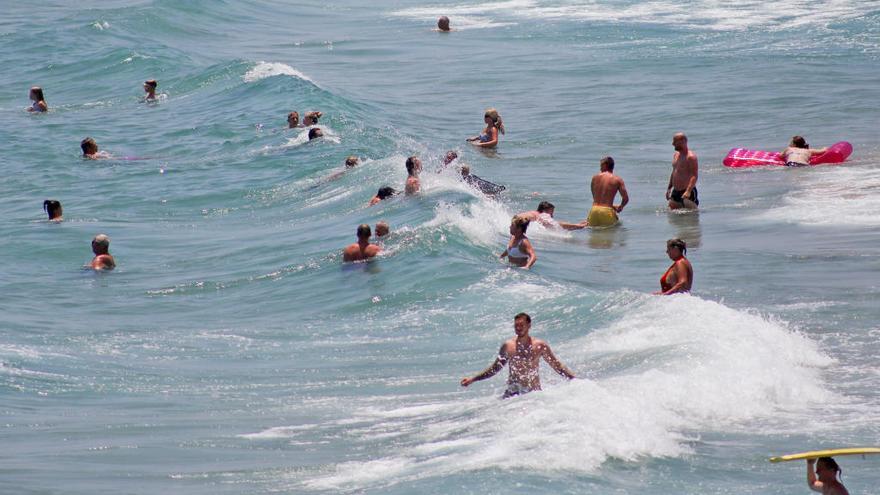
480	183
682	189
362	249
825	477
443	24
382	229
150	86
544	216
519	250
90	150
489	137
413	183
680	276
605	186
311	118
315	133
39	101
384	193
52	207
293	120
522	353
798	152
102	260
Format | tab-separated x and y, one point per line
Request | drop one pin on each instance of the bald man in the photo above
682	189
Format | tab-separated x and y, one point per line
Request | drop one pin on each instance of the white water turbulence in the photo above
263	70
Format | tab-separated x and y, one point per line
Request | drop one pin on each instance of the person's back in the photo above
605	186
413	184
101	248
362	249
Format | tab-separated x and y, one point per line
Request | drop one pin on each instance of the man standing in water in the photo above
682	189
362	249
523	354
605	186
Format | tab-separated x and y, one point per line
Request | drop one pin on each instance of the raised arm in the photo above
489	372
554	363
812	482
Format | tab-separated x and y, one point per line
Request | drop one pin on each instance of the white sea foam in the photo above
665	370
270	69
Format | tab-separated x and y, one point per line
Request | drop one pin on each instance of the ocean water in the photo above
231	351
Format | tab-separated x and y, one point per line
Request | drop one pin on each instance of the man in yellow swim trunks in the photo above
605	185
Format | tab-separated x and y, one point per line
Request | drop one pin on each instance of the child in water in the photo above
519	250
825	477
36	96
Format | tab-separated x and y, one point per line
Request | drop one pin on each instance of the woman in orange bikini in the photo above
680	276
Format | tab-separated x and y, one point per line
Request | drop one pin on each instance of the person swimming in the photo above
798	152
150	86
519	250
53	208
413	183
315	133
384	193
362	249
382	228
351	162
90	150
443	24
825	478
489	137
311	118
36	96
293	120
680	276
544	215
101	248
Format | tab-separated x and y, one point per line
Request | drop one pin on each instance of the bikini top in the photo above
519	253
664	285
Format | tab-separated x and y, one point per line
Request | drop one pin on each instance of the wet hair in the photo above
151	83
314	116
351	161
830	463
523	315
607	162
799	142
521	222
102	240
382	228
544	206
496	118
386	192
364	231
52	207
678	243
465	170
411	164
38	92
451	156
443	21
294	114
88	144
314	132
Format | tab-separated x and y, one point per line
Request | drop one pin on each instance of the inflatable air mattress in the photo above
741	157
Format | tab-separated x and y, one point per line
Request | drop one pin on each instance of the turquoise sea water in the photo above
232	352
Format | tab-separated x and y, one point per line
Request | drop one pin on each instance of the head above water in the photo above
677	244
101	244
495	117
293	119
385	192
519	223
315	133
151	84
364	232
382	229
351	161
53	208
545	206
311	118
88	146
799	142
827	469
443	23
606	164
465	170
413	165
450	157
36	94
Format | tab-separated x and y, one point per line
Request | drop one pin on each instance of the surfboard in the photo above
742	157
826	453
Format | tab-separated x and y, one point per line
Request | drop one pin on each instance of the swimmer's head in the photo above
315	133
443	23
36	94
351	161
677	243
363	231
450	157
53	208
382	229
465	170
311	118
89	146
413	165
546	207
519	224
150	85
293	119
606	164
494	117
522	322
679	141
385	192
827	469
799	142
101	244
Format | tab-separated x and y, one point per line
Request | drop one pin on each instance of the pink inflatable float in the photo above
741	157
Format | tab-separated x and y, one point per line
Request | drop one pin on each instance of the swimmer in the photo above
90	150
413	168
680	276
798	152
544	216
36	96
351	162
311	118
682	189
450	157
293	120
489	137
382	229
519	250
523	353
52	207
443	24
384	193
605	186
362	249
150	88
315	133
480	183
825	477
102	260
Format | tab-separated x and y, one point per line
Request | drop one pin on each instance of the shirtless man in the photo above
523	354
362	249
682	189
102	260
413	168
605	186
544	216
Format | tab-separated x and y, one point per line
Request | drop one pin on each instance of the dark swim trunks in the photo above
796	164
677	196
